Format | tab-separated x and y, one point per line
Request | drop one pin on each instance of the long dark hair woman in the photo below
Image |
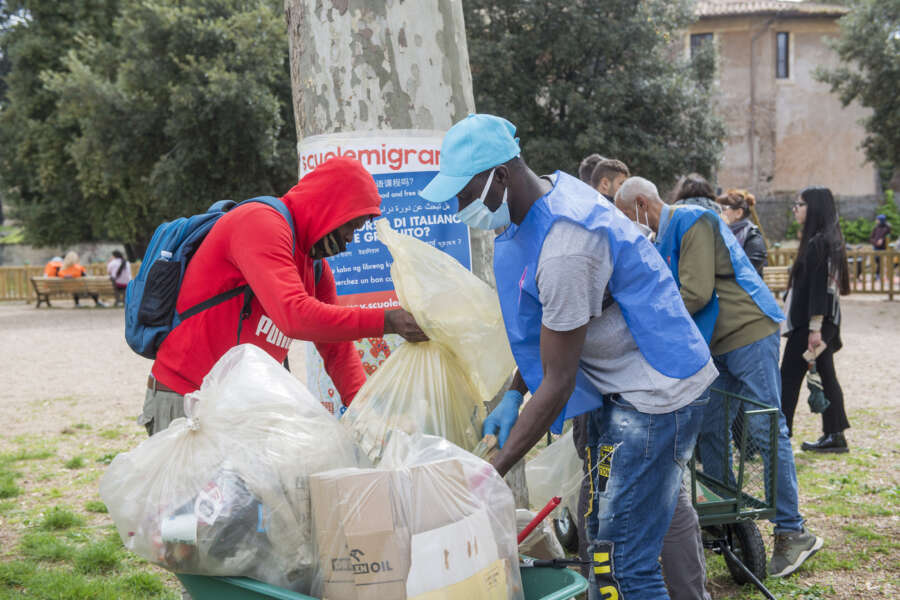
818	278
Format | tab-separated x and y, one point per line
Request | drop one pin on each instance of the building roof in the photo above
781	8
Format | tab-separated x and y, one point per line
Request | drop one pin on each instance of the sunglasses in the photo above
799	204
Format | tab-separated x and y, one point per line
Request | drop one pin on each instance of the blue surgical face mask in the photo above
479	216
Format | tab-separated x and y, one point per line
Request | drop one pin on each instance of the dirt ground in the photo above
66	366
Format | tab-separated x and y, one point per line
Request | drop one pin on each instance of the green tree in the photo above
37	175
869	48
179	104
580	76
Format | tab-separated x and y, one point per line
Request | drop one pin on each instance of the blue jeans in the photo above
637	462
752	371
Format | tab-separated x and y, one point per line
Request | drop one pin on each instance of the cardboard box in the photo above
487	584
361	519
335	566
459	557
369	524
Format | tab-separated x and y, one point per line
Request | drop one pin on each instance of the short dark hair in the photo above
609	168
586	168
695	186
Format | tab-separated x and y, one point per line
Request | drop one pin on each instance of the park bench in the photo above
777	278
86	286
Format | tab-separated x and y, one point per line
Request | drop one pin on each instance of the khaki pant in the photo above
160	409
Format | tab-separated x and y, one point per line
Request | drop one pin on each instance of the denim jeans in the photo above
752	371
637	462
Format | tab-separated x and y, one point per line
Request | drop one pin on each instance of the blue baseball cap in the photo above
473	145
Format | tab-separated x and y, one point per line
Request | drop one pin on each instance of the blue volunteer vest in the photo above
641	285
682	219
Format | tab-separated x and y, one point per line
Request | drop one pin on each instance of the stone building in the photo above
785	129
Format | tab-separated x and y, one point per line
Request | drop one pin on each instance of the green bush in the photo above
793	230
858	230
58	518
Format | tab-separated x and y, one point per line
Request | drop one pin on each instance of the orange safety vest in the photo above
51	269
75	270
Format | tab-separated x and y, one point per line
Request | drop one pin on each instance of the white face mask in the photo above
479	216
645	226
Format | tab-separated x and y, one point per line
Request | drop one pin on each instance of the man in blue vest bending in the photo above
738	316
590	310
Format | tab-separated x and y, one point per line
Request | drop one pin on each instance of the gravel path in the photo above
64	365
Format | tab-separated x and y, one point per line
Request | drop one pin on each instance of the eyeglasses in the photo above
798	204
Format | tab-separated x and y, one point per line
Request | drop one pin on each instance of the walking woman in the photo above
818	278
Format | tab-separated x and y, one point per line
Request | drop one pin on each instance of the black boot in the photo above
830	442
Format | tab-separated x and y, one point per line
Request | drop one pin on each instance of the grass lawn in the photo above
853	501
56	538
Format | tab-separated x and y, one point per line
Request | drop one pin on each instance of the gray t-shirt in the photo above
573	271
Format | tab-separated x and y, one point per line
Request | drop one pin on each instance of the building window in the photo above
782	55
697	41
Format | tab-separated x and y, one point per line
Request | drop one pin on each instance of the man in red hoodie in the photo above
252	245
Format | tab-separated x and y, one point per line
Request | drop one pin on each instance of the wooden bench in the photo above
777	278
88	286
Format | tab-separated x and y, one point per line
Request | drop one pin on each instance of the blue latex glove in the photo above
503	417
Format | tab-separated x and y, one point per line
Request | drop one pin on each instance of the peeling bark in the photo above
353	68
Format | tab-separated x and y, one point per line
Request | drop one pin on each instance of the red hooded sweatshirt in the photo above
252	244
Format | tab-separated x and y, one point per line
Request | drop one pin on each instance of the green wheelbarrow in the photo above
538	583
730	497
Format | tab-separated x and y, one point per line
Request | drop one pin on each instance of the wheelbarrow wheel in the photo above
566	530
746	542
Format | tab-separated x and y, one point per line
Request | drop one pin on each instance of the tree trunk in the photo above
360	65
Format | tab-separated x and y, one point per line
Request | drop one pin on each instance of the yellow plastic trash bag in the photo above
437	387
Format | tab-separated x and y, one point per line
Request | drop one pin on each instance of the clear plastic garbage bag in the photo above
432	521
541	543
555	471
437	387
225	491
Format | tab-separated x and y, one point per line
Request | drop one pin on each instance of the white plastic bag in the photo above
225	491
555	471
431	520
437	387
541	543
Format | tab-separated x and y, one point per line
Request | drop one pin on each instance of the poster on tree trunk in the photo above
401	162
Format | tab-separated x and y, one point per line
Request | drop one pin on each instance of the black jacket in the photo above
811	293
755	248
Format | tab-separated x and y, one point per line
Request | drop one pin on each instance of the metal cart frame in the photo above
728	519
